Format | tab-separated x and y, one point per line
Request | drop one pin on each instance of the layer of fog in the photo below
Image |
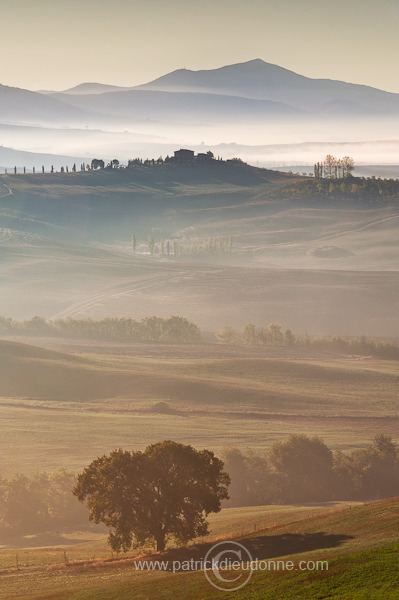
264	144
89	285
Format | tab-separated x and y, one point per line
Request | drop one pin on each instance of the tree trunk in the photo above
160	542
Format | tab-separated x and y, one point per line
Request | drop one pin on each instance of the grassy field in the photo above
190	204
61	281
360	544
65	246
47	548
106	203
61	409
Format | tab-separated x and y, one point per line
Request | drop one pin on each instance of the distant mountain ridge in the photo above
251	103
94	88
259	80
252	93
181	106
17	102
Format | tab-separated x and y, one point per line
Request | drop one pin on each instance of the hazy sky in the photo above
54	44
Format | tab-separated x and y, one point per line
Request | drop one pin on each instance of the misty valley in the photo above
198	339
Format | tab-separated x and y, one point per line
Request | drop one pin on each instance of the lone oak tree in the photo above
165	491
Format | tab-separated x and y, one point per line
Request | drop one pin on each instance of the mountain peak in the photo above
257	79
255	61
261	66
250	79
92	88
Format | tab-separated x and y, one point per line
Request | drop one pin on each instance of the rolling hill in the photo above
179	106
56	281
315	265
262	384
22	106
106	205
91	88
359	543
61	408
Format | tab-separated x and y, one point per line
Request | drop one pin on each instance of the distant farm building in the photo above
181	158
187	157
204	156
184	155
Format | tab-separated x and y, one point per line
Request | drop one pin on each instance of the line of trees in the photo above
150	329
304	469
63	169
363	189
180	330
93	166
148	162
275	335
167	247
147	497
334	168
168	490
98	163
272	335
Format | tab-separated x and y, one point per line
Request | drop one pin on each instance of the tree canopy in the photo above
97	163
166	491
304	467
334	168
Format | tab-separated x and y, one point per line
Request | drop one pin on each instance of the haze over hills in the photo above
22	106
10	158
87	88
59	231
297	158
316	265
257	207
178	106
252	104
92	88
58	280
62	145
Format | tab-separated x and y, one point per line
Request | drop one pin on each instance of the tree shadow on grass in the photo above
270	546
264	546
